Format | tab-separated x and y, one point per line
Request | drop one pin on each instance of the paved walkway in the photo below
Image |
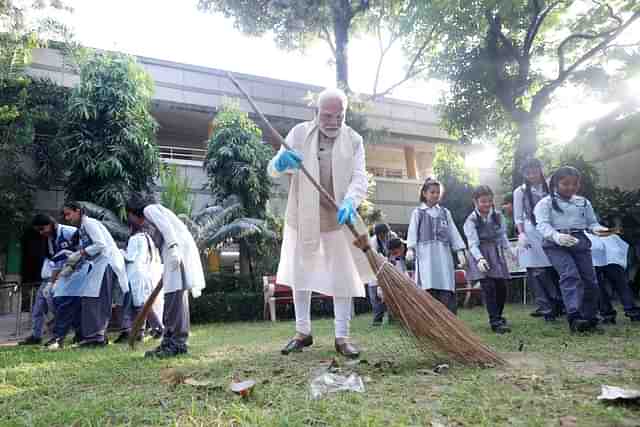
8	328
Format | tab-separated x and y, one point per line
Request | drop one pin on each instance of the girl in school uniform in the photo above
488	244
144	270
540	274
431	238
563	217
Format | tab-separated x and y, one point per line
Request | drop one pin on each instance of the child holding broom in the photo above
488	244
431	238
563	217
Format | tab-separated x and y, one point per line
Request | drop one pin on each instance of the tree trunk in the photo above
245	260
341	23
526	147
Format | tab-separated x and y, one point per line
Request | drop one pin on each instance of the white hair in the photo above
331	94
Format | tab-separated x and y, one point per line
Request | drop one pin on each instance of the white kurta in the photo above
102	251
174	231
336	267
532	256
144	268
434	261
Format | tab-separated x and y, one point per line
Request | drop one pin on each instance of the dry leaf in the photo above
172	376
568	421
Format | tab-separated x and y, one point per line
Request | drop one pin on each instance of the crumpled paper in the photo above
609	392
332	383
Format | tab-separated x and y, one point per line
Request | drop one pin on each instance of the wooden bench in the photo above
276	294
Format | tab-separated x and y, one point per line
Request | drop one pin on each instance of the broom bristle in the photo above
428	320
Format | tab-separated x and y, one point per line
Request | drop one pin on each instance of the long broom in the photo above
424	317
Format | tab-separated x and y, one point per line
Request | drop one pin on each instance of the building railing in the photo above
386	172
169	152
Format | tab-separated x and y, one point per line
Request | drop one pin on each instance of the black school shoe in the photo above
31	340
93	344
500	329
585	326
166	351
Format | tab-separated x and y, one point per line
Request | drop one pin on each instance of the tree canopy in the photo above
236	161
109	133
505	59
296	24
25	106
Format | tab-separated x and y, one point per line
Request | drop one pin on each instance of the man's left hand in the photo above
347	212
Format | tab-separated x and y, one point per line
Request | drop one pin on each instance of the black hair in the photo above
137	202
532	163
484	190
380	228
76	206
562	172
42	220
430	182
507	198
395	243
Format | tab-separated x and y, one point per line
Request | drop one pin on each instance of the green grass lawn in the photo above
556	376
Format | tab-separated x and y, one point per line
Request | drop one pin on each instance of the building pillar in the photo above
410	160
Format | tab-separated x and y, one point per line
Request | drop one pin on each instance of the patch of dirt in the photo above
593	369
525	361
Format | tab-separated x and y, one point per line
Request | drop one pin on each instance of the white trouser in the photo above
341	313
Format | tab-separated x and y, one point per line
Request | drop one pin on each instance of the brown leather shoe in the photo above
347	349
297	344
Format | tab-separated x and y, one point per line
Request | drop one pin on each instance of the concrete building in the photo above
187	97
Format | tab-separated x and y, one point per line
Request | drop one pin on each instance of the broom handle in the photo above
281	140
142	316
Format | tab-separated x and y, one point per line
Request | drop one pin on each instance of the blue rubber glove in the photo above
347	212
288	160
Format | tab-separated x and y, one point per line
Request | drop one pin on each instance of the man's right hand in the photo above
288	159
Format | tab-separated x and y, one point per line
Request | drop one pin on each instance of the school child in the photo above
378	243
431	238
486	233
60	240
397	254
540	274
609	255
182	271
98	266
563	217
144	270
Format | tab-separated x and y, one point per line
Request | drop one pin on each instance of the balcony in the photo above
178	155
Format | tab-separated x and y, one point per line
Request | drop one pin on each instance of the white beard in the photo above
331	134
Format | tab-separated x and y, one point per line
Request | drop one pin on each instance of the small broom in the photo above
426	319
141	318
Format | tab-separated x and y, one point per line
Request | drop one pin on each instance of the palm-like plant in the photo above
215	225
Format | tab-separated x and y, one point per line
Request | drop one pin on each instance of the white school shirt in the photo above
434	261
577	213
144	268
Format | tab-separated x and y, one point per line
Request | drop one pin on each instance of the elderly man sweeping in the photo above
317	250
